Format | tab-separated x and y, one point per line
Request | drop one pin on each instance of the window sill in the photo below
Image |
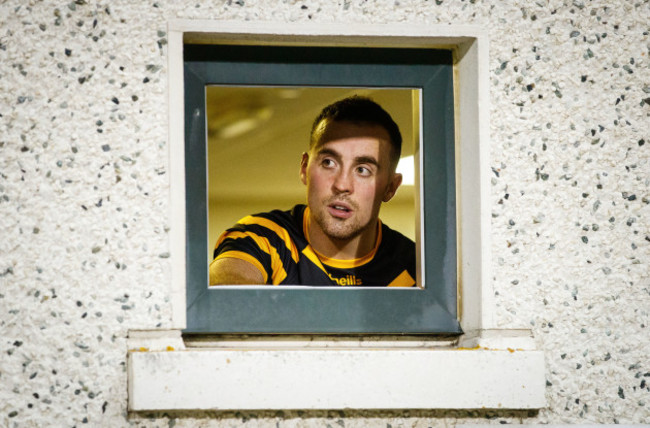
386	374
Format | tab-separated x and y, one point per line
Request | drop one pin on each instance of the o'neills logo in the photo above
346	280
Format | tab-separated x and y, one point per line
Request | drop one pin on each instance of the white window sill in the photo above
385	374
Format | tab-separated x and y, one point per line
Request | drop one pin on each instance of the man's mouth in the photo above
340	210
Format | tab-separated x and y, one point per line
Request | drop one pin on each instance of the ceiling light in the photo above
406	167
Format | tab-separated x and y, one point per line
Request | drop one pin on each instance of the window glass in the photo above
256	136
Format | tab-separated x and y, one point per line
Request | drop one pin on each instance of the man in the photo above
337	239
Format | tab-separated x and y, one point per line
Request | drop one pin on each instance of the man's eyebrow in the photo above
358	160
367	159
324	151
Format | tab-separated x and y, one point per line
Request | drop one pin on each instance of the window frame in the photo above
470	47
244	309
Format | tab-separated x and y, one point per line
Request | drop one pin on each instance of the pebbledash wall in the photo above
84	200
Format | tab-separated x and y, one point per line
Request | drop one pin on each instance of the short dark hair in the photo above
358	109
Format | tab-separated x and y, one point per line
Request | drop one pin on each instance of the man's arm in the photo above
232	271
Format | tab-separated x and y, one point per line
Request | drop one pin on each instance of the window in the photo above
272	372
431	308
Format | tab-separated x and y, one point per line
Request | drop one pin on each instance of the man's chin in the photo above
341	232
338	229
341	236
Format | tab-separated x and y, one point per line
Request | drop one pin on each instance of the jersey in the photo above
277	243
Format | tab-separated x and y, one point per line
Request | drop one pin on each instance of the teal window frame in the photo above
330	310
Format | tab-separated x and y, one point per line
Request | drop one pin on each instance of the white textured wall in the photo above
84	200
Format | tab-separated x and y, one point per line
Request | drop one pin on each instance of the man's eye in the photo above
328	163
362	170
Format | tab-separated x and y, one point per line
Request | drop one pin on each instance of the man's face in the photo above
348	175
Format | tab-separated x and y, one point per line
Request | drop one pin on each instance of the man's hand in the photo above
231	271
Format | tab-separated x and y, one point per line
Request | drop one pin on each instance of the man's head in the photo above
358	110
350	170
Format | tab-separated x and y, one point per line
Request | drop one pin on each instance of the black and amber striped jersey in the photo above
276	243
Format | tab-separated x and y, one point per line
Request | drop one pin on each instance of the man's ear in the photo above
392	187
303	167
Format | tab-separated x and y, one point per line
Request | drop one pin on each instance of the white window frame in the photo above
487	367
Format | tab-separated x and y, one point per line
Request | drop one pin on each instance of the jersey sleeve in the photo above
241	245
253	241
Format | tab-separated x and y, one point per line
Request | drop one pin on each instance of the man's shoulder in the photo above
278	221
387	232
396	240
396	257
293	215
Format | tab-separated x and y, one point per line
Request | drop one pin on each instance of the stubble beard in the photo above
339	229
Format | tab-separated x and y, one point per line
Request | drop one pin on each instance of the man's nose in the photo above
343	182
